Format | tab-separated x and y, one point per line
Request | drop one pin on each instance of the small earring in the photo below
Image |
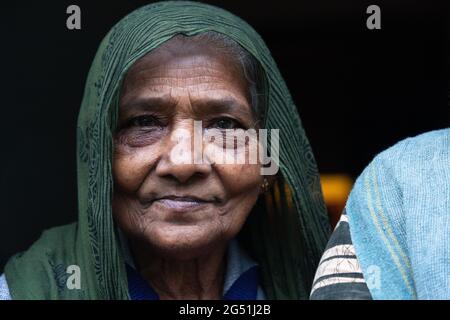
265	185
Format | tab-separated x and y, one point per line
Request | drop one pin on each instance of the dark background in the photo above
358	90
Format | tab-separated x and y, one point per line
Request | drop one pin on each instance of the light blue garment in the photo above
4	291
238	262
399	215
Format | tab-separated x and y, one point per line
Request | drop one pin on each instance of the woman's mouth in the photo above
181	203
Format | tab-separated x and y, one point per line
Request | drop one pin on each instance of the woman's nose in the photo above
181	172
181	158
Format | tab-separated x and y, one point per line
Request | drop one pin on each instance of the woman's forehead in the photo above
183	50
195	67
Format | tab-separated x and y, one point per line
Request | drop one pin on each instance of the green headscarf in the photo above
286	234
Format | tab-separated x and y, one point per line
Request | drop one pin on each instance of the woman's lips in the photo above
181	203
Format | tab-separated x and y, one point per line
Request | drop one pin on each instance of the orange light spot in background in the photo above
335	188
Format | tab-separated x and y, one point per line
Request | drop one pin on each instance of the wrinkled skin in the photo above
180	217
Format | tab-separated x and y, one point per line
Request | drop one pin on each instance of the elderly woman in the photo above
154	227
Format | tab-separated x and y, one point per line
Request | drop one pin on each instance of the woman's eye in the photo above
226	123
144	121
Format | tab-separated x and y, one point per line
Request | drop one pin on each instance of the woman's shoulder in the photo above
4	290
40	261
51	242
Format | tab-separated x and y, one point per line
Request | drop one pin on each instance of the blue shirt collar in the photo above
241	275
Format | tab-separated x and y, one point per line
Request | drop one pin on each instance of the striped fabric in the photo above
339	275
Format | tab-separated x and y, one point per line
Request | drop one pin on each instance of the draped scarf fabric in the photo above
286	233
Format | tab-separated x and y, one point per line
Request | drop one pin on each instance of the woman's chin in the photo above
184	242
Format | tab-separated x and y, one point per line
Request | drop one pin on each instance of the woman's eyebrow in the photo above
221	105
149	103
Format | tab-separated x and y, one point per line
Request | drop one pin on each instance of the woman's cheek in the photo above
135	153
242	186
240	178
131	168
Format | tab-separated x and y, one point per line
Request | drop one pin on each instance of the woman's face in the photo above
181	210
